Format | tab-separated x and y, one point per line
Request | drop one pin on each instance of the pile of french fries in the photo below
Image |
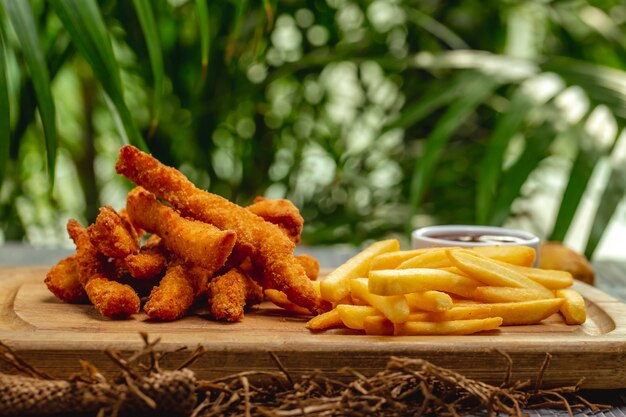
436	291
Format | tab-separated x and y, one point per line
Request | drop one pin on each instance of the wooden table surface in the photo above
611	278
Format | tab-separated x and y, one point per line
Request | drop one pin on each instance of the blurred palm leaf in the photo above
82	19
204	24
535	151
149	28
473	94
508	125
610	199
580	174
23	22
5	119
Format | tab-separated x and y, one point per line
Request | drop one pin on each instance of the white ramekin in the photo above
427	237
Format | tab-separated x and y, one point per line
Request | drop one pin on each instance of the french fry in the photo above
357	301
549	278
435	258
453	327
280	299
394	307
391	260
404	281
348	299
525	312
431	300
511	254
377	326
573	308
509	294
325	321
462	312
353	316
337	283
490	272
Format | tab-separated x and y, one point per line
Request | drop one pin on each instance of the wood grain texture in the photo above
53	336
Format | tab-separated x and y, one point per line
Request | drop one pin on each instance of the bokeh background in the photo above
374	117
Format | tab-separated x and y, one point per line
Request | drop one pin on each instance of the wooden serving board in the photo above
53	336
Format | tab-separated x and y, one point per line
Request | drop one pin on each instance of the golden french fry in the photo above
525	312
353	316
453	327
573	308
357	301
490	272
280	299
377	326
404	281
348	299
513	254
435	258
549	278
454	270
391	260
394	307
325	321
431	300
509	294
462	312
337	283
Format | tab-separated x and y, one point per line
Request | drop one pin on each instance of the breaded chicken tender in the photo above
110	298
230	293
63	281
283	213
265	244
310	264
150	261
173	297
194	241
110	235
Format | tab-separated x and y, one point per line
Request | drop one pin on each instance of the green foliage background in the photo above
374	117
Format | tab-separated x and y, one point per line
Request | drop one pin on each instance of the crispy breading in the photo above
110	298
110	235
310	264
150	261
283	213
264	242
63	281
173	296
230	293
194	241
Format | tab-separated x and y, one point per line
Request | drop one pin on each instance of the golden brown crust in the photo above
227	295
149	262
265	243
63	281
110	298
173	297
310	265
283	213
110	235
194	241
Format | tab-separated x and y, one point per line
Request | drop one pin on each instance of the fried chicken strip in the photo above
150	261
230	293
173	297
110	235
265	243
63	281
110	298
194	241
310	264
283	213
